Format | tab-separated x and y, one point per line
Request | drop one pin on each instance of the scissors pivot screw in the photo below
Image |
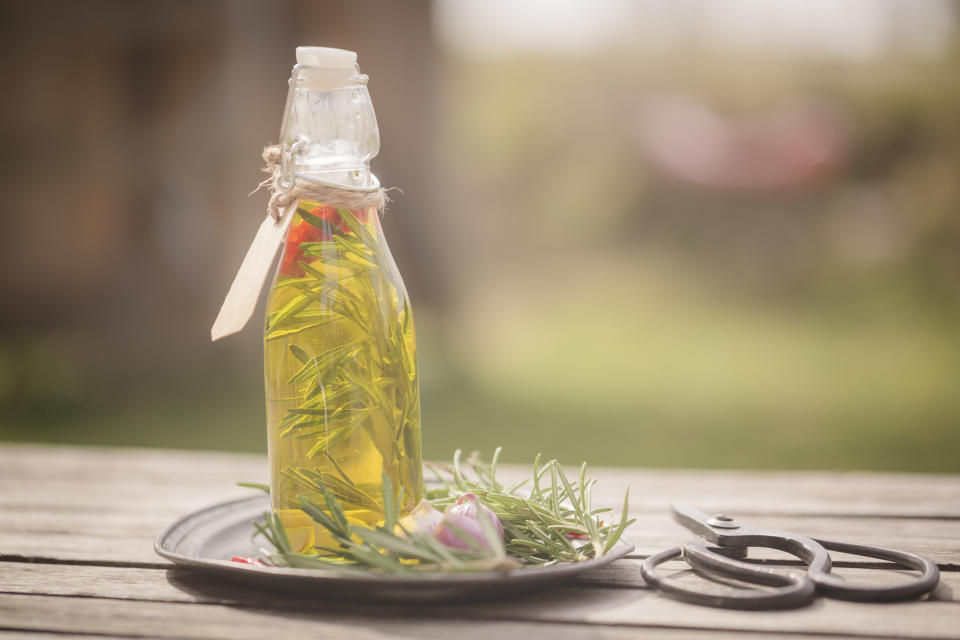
722	521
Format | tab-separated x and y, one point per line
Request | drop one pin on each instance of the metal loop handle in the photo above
287	176
288	159
294	76
836	587
792	589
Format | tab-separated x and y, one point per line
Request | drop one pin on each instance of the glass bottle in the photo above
343	399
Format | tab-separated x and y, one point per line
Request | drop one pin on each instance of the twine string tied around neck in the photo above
287	187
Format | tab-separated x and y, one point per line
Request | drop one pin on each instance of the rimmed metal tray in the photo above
208	538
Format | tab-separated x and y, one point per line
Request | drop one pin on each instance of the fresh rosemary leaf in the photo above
326	483
390	508
358	229
289	282
320	365
259	486
310	270
299	354
334	436
623	524
384	539
354	251
322	247
289	310
315	221
286	333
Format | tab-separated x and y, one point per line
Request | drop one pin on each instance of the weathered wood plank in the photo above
742	493
180	585
480	630
157	620
118	465
35	635
595	606
163	620
71	499
67	548
483	630
100	479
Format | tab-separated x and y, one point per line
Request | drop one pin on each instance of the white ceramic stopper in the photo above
326	58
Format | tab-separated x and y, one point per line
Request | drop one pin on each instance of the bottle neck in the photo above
335	131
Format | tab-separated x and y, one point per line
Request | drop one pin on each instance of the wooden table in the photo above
77	527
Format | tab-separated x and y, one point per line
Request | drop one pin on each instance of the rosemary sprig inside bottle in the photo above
546	518
343	403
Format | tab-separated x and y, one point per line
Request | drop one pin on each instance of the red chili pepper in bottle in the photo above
305	232
328	213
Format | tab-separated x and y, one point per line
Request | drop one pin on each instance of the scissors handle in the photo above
836	587
790	590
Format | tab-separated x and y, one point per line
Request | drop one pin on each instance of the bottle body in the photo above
343	401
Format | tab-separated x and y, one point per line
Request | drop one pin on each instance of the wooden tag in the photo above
242	297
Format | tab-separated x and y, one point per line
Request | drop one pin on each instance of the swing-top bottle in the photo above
343	400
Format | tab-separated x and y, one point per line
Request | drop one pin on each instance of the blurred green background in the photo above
688	234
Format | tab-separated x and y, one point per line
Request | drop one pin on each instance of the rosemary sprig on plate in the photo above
547	518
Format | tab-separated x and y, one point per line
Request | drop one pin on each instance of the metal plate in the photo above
208	538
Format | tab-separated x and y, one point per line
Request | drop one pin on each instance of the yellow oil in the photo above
343	401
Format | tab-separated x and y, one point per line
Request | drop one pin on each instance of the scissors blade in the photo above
726	532
696	521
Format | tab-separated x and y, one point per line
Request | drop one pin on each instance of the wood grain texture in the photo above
484	630
101	618
80	523
166	584
96	478
481	630
572	606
